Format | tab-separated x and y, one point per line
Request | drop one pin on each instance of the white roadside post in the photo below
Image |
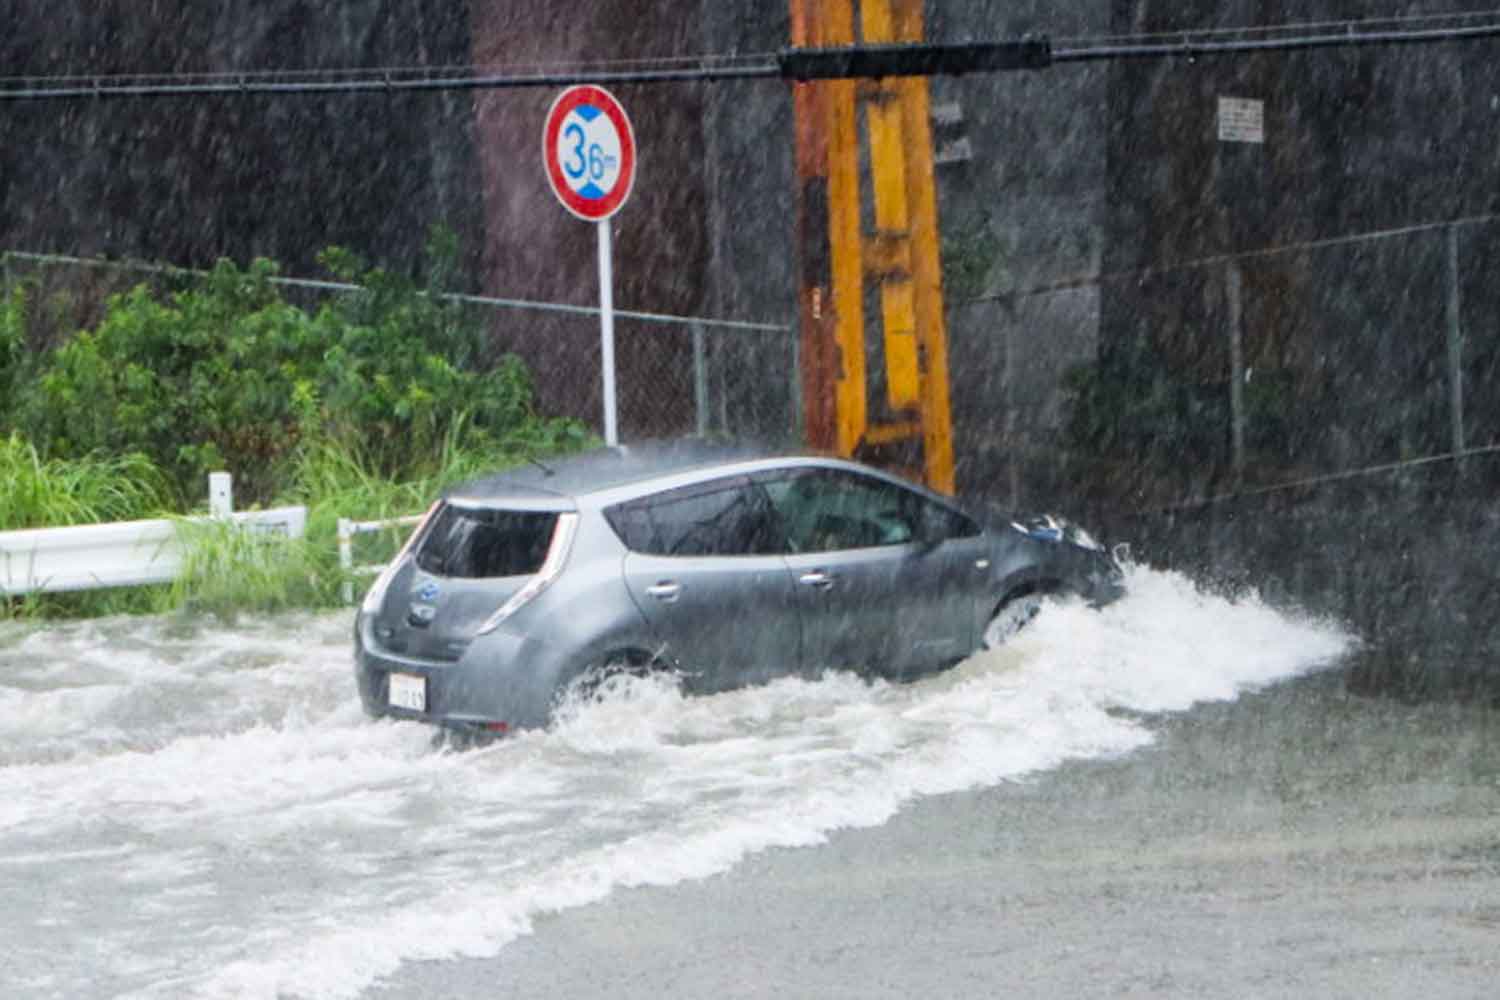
346	558
588	150
220	494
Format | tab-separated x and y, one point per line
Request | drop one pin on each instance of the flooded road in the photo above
1295	842
193	810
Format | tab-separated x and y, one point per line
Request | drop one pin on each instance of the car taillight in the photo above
376	594
557	557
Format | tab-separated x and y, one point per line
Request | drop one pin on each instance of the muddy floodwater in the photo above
1174	796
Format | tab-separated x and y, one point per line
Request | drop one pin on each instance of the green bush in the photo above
227	374
12	347
206	379
403	367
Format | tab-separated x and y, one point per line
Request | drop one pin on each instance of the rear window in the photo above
473	542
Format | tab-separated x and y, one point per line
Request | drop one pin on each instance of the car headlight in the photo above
1050	528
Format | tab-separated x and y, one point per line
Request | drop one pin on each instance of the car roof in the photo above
606	469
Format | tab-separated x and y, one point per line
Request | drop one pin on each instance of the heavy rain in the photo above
1214	281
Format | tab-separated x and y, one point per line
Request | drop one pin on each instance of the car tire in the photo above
1013	614
593	682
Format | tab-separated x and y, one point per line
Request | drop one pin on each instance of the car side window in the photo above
723	518
822	510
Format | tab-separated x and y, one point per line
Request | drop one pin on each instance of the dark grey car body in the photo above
730	565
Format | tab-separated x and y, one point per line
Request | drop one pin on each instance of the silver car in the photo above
724	565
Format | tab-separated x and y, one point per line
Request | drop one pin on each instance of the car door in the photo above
707	569
885	577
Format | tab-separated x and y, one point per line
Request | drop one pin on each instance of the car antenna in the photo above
538	463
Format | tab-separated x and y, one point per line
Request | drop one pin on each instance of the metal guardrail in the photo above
138	553
348	529
122	554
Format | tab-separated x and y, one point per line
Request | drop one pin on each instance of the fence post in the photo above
719	349
1455	345
797	426
700	379
1234	288
1010	439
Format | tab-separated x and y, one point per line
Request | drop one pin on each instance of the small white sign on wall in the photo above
1242	120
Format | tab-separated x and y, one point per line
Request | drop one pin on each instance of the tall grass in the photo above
152	600
230	570
44	493
39	493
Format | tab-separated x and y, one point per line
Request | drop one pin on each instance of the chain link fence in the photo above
676	375
1241	373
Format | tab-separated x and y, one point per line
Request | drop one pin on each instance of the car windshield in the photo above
474	542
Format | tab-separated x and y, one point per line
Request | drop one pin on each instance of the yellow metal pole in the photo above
845	237
927	270
902	255
890	258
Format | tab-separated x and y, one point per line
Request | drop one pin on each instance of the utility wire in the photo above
396	73
864	61
1323	480
1346	26
1074	283
246	85
1190	47
343	287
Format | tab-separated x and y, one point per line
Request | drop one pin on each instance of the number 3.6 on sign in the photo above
597	164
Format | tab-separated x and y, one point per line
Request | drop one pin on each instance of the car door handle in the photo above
817	578
667	591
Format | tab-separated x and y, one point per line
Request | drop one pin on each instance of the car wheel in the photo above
596	681
1011	617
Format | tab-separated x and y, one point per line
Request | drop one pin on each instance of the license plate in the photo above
408	691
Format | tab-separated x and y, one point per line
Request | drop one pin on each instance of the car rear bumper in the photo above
502	680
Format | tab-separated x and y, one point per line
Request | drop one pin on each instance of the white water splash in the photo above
205	812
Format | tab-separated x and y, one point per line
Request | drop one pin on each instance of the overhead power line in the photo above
862	61
1136	275
1190	45
1294	28
343	287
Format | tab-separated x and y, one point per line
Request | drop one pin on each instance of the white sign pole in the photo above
607	332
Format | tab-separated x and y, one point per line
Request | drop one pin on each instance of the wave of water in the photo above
191	810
